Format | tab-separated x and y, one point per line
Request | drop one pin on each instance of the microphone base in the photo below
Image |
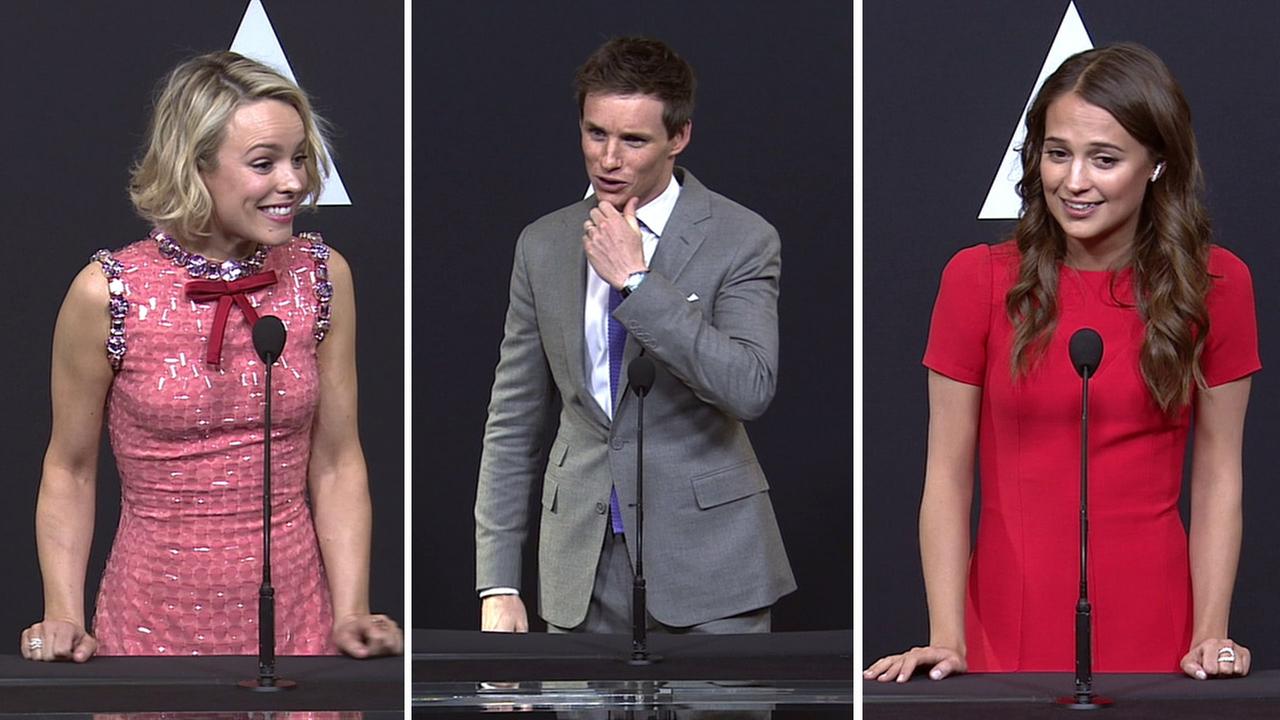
268	685
1077	702
640	658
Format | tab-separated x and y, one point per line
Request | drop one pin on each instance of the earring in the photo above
1155	174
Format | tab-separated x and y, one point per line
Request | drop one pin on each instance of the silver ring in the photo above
1227	654
35	643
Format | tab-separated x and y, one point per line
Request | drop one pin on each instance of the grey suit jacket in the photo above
707	316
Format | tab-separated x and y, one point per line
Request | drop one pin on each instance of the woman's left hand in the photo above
363	636
1216	657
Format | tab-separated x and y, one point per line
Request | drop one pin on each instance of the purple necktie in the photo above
617	339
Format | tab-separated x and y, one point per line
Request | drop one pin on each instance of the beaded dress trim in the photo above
323	288
118	306
200	267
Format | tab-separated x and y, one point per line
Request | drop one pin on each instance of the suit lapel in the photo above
571	270
685	230
681	238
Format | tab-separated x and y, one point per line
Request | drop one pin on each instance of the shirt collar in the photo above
657	211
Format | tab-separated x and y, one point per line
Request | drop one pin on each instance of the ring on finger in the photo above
1227	655
35	643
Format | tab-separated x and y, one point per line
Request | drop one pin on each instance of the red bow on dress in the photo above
225	292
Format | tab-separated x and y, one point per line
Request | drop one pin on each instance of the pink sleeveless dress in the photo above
184	570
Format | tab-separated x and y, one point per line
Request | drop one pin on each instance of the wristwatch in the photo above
632	282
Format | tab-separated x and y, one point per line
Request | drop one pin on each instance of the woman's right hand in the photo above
945	661
51	640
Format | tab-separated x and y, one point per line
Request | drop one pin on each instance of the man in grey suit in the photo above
653	263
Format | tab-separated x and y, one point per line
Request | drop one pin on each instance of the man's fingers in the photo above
629	212
503	613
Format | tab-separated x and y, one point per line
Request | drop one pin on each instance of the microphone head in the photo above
640	375
268	338
1086	350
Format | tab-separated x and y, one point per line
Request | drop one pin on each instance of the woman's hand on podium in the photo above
899	668
1217	657
53	639
364	636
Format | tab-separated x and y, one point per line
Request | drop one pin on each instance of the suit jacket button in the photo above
600	507
617	443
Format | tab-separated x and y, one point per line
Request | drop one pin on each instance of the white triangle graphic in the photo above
1002	201
256	39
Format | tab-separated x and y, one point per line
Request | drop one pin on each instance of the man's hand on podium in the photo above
503	613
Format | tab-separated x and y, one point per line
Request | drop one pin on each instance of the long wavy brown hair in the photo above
1170	253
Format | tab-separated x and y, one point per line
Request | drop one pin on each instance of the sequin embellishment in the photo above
118	306
202	268
323	288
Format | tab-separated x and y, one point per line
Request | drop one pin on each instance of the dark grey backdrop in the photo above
496	146
77	88
944	84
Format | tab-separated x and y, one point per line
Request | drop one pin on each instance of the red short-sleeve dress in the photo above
1023	575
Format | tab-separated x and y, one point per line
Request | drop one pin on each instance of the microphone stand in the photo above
1084	697
267	680
641	378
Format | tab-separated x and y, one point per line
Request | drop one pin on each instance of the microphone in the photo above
1085	348
268	338
1086	351
640	375
268	341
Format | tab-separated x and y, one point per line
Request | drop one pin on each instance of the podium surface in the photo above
1030	695
204	684
803	674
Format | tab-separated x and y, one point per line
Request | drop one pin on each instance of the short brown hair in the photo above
640	66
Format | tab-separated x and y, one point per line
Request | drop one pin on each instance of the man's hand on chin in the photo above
613	242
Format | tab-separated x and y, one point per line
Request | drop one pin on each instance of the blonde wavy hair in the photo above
189	121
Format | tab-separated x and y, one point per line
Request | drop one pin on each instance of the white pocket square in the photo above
693	297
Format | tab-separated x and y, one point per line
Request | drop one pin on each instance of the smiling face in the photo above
1095	176
259	179
626	147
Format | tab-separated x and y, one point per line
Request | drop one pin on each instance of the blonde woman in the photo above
157	338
